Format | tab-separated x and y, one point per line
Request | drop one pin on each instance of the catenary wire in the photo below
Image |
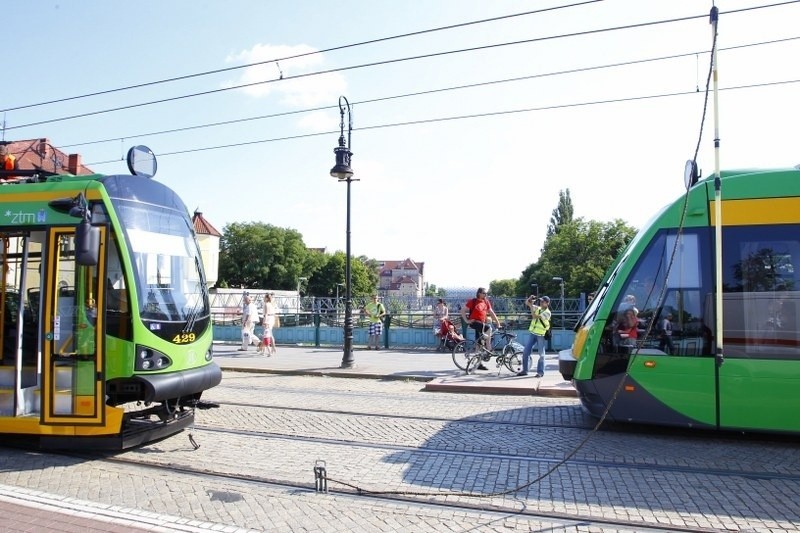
457	117
426	92
381	63
295	56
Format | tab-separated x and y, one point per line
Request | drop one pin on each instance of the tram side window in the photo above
761	292
118	315
655	290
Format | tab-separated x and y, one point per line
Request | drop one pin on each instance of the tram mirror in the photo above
690	174
87	244
142	161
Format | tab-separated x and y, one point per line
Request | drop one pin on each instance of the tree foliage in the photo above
503	287
261	256
579	252
562	214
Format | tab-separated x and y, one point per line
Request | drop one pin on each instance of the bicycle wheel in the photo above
461	353
512	359
474	362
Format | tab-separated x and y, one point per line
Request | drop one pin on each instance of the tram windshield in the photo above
166	261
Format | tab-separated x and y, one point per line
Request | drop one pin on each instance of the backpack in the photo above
547	334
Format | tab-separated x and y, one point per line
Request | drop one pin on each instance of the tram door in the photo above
72	340
20	253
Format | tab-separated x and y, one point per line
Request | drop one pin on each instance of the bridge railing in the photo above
409	321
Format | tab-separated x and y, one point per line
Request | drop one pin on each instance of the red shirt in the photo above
478	308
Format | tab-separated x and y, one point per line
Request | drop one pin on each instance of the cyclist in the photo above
475	314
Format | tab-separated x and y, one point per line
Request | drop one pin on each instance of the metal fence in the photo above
406	312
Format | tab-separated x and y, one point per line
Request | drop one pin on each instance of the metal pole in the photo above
342	171
347	358
299	284
720	354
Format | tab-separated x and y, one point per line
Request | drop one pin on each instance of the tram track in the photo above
361	413
486	509
587	463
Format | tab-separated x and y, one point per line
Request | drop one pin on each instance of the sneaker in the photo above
522	373
242	349
482	367
538	376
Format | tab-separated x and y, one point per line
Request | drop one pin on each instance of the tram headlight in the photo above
150	359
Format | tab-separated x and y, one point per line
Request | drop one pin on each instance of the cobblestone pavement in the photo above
390	436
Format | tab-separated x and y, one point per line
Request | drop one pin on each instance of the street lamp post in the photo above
299	284
561	282
337	293
535	287
343	172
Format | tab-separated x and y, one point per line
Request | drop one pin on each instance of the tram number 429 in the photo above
183	338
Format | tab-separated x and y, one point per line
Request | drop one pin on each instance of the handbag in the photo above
277	322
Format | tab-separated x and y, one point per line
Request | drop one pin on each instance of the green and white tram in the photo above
105	328
749	381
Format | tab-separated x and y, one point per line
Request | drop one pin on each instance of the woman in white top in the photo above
269	322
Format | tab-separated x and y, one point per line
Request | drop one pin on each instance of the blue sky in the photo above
469	197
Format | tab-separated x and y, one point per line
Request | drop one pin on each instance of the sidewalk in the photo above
434	368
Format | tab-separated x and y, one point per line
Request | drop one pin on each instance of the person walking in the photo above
268	338
540	323
249	320
375	313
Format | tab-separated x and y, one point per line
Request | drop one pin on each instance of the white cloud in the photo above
299	92
319	121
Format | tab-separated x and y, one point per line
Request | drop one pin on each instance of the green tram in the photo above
105	328
749	383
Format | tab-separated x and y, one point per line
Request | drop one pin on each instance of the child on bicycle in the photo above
475	313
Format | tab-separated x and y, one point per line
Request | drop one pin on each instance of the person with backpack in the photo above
475	313
375	312
540	325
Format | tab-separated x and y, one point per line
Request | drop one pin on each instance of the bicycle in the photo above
503	346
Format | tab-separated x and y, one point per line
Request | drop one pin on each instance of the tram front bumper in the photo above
166	386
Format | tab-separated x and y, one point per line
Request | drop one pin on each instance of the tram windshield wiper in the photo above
199	302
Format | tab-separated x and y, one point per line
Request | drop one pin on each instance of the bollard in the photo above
387	322
320	477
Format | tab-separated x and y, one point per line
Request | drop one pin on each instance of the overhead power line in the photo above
295	56
459	117
390	61
426	92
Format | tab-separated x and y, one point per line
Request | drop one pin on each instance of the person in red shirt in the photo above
475	314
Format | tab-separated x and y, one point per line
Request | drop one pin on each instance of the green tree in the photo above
364	272
323	281
261	256
430	290
562	214
503	288
579	252
364	276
